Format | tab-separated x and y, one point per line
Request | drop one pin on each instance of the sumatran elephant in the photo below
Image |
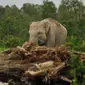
47	32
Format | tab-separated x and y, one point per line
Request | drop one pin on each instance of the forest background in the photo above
14	22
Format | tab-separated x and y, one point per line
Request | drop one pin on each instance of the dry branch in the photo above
65	79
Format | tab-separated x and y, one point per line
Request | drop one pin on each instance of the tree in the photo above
2	11
63	13
32	11
49	9
75	7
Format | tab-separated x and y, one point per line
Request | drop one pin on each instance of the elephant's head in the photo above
37	33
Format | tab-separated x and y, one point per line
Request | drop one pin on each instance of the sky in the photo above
19	3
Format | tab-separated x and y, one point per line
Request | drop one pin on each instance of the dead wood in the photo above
21	58
38	61
65	79
50	69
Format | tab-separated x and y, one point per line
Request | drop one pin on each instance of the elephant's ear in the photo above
50	32
47	27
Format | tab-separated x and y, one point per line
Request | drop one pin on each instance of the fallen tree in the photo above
20	64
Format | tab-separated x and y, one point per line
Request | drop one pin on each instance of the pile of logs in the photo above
35	62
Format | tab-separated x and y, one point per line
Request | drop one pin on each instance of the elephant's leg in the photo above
60	40
51	40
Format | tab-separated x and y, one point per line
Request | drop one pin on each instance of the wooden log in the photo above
7	62
39	61
42	68
1	83
20	57
51	68
77	52
65	79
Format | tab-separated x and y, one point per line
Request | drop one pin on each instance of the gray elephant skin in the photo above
48	32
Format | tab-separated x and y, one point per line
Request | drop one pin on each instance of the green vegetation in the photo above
14	22
77	70
2	48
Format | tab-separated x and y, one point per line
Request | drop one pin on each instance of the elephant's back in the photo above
54	21
59	26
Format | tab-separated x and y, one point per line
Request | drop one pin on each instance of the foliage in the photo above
2	48
13	41
48	9
14	22
78	70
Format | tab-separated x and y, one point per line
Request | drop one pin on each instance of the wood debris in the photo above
37	61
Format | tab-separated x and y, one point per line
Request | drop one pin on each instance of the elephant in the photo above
47	32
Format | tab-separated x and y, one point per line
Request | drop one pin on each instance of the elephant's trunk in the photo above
37	41
33	40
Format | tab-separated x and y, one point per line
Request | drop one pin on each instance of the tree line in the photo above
14	22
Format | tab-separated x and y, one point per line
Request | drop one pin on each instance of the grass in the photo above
2	48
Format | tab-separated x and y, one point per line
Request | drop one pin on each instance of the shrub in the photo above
13	41
78	69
